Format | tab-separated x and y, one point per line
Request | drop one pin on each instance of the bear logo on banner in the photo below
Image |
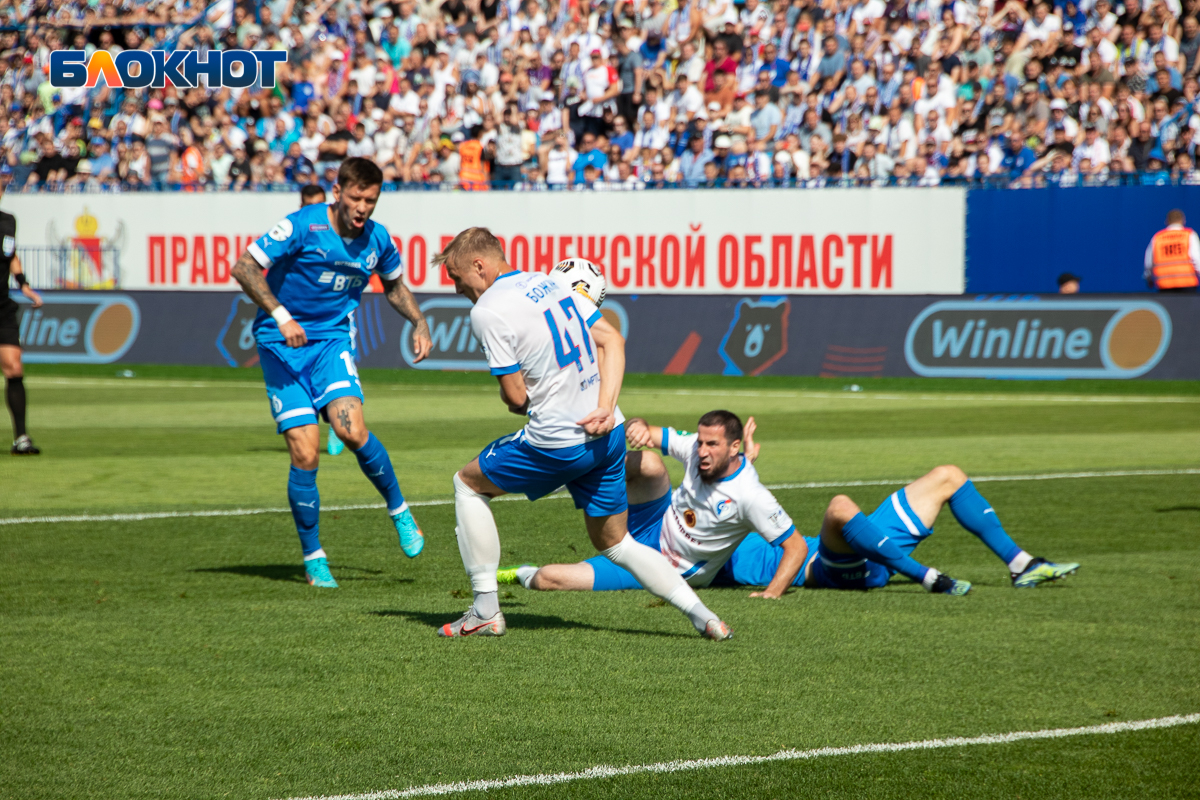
235	340
757	336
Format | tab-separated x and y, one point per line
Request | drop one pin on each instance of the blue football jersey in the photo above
317	275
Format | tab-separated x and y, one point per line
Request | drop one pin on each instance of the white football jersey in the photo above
708	520
528	322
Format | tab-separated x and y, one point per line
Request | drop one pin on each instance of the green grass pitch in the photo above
186	658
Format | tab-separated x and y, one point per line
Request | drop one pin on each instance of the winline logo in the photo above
1038	339
138	69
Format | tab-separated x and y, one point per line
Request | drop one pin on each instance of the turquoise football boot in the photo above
318	574
334	445
412	542
1041	571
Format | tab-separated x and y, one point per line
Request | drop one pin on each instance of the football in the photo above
581	275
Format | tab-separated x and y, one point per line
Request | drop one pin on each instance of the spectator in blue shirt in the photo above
833	60
589	156
1017	157
691	164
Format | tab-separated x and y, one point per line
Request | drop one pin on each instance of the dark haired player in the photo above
317	261
10	334
311	194
719	502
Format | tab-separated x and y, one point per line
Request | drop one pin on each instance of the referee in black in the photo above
10	334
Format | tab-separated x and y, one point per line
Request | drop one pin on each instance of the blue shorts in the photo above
594	473
755	561
841	571
645	522
303	380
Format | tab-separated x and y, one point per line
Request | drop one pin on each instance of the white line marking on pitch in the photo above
739	761
246	512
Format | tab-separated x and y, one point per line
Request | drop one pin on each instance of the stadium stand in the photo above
629	94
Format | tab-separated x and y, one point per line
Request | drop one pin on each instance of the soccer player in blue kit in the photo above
317	261
560	364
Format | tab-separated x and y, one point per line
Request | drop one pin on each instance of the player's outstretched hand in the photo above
422	342
293	333
748	444
599	422
637	433
766	595
34	297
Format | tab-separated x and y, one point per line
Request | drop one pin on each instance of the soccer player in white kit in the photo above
700	524
561	364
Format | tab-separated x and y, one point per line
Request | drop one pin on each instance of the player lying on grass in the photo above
560	364
853	551
317	261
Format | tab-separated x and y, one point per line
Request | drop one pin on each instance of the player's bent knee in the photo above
841	508
951	475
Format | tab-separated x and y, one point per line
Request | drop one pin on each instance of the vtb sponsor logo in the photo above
1038	339
139	69
454	344
78	328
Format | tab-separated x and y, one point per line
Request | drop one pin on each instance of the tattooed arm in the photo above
249	274
403	301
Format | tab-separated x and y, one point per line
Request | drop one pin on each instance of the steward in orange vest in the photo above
472	170
1169	262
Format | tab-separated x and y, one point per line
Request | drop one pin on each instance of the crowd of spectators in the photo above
615	94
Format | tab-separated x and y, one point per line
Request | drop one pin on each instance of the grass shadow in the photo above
295	572
1176	508
524	622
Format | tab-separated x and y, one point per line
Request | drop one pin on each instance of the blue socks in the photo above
375	464
976	515
865	537
306	507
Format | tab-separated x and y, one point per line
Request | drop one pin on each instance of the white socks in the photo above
658	577
1018	564
318	553
525	575
478	540
930	579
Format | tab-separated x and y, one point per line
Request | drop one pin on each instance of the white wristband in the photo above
281	315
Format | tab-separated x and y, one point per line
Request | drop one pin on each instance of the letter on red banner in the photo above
694	263
564	247
881	260
668	261
857	241
619	275
645	261
807	275
756	264
596	247
220	261
199	260
832	279
157	258
418	260
727	261
179	250
543	260
519	253
781	260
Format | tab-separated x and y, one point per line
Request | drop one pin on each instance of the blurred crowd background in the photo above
614	95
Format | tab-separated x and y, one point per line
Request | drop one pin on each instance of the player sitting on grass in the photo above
317	261
698	526
561	364
853	551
